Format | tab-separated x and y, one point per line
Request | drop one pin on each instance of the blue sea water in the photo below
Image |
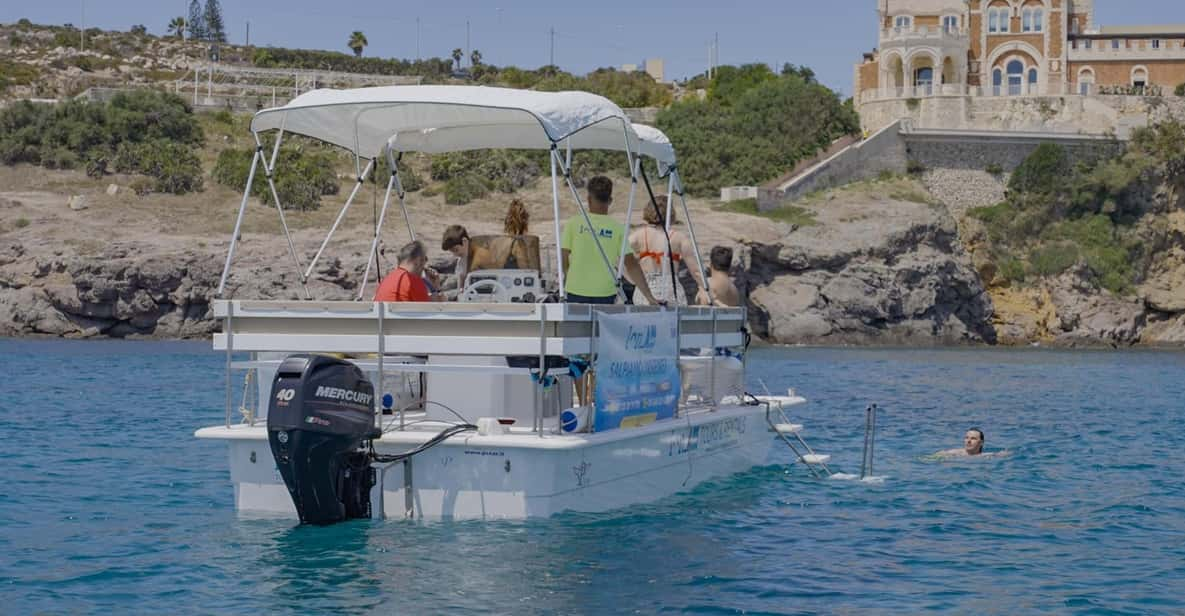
109	504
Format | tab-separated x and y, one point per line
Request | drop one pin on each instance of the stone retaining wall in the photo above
1095	114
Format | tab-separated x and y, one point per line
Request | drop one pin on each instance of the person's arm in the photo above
633	273
687	256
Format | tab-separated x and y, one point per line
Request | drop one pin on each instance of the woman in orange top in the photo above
650	244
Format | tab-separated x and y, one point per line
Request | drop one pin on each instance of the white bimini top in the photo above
437	119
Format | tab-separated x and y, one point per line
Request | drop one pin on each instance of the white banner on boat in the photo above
637	369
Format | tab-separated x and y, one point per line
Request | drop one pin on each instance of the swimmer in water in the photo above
972	446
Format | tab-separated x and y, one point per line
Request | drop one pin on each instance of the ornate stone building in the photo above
1014	48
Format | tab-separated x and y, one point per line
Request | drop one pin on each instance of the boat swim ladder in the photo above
791	435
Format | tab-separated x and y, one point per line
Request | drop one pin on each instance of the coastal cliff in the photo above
875	263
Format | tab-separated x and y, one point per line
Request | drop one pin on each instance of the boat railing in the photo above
389	338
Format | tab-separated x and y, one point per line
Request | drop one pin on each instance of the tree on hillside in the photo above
196	24
215	30
804	72
730	82
457	55
757	135
475	58
140	30
177	27
357	42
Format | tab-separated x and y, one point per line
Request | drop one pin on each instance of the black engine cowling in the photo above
320	413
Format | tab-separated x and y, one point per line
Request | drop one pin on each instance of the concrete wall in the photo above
883	151
980	150
736	193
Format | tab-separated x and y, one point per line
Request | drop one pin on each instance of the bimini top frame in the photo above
387	121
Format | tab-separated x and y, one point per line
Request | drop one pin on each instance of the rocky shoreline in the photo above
894	275
876	264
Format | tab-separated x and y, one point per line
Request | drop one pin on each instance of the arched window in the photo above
1139	77
1085	81
1032	81
1033	19
923	78
997	79
1016	71
998	17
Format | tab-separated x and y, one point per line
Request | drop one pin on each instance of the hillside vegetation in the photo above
753	126
1100	215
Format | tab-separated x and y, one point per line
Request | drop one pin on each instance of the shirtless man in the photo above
724	292
972	445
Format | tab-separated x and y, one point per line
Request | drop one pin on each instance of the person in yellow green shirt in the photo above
586	279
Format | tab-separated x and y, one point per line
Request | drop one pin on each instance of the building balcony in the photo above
1141	51
923	35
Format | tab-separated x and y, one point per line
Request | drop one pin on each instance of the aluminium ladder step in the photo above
788	428
816	458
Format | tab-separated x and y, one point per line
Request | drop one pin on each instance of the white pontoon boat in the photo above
466	409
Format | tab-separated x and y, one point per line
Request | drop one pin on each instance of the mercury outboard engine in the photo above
321	411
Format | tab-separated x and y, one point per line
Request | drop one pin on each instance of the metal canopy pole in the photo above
340	216
239	221
629	214
555	202
678	186
269	171
670	205
588	221
374	246
399	192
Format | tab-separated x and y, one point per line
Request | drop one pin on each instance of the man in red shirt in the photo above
406	283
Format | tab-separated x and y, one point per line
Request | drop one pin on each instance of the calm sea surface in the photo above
109	504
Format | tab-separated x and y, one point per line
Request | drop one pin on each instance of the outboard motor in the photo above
320	413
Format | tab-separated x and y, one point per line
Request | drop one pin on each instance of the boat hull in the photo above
524	475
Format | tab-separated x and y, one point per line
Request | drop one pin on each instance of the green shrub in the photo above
763	133
223	116
994	169
463	188
21	223
145	131
141	186
15	74
1044	171
786	213
60	158
914	167
302	175
96	165
912	104
408	178
1053	259
1179	90
1012	269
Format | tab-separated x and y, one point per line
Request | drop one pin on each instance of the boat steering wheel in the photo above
500	294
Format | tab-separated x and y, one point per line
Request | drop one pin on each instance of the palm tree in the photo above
475	58
357	42
457	55
177	27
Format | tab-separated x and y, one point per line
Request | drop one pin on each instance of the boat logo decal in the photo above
312	419
284	396
581	472
708	436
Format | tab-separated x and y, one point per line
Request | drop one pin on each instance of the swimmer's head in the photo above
973	442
